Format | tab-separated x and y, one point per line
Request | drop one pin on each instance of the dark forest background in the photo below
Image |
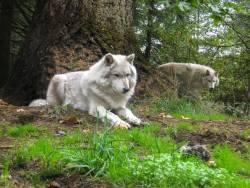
41	38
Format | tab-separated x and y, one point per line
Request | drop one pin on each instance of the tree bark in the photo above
149	34
5	36
68	35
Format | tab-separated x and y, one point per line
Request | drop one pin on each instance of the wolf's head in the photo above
211	79
121	74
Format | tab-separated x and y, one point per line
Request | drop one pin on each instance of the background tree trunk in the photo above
149	34
68	35
5	35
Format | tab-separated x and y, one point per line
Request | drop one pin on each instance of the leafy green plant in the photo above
172	170
238	109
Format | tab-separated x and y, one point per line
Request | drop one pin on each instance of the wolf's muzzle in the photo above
125	90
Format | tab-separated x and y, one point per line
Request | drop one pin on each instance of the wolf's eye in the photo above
127	75
117	75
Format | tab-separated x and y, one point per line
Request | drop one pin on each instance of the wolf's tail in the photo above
38	102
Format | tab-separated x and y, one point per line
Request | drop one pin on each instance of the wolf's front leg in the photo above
103	114
195	95
129	116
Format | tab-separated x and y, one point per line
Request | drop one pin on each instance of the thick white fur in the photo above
38	102
191	78
98	90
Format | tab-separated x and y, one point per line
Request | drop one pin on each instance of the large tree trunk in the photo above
5	36
68	35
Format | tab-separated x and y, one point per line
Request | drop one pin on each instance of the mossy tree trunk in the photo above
68	35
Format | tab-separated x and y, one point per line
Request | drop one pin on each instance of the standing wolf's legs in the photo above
103	114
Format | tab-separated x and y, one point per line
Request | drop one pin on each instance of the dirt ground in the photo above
211	132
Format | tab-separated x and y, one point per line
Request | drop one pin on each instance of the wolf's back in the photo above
175	68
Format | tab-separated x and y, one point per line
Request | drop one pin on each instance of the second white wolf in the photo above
106	86
190	78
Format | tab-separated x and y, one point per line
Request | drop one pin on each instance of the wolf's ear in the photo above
207	73
130	58
216	74
109	60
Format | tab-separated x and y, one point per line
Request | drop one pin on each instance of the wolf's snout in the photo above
125	90
125	85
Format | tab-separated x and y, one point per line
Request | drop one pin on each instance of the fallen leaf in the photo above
6	147
3	103
20	110
182	117
169	116
85	130
211	163
162	115
70	120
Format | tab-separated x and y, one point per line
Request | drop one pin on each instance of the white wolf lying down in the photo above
191	78
107	85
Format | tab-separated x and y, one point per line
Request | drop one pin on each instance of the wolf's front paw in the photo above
135	121
122	125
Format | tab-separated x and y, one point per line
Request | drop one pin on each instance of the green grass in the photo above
47	153
202	116
70	155
141	157
246	133
173	129
135	158
22	130
226	158
187	126
147	140
75	138
198	110
4	175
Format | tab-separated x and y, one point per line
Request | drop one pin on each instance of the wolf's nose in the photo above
125	90
211	89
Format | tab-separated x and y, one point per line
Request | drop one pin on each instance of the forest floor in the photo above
22	127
